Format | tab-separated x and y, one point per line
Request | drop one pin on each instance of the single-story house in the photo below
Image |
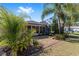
40	27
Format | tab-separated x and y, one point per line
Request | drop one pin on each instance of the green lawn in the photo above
75	33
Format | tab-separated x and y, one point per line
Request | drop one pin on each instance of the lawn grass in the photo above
75	33
63	49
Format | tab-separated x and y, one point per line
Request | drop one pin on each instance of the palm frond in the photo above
47	10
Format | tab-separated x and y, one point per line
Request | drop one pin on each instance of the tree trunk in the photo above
62	27
69	25
59	25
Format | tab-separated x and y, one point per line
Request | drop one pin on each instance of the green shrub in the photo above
59	37
14	31
35	43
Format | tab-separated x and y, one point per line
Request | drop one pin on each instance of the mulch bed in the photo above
26	52
30	51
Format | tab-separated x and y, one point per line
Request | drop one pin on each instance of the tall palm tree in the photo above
61	11
55	9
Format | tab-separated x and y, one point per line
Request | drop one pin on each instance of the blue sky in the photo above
32	9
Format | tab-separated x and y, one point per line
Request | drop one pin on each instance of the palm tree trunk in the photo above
69	25
59	26
62	28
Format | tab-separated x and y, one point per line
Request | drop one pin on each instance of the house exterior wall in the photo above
72	28
40	27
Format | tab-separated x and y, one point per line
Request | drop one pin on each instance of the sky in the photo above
32	9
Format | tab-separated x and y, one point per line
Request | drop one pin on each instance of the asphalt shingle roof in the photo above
37	23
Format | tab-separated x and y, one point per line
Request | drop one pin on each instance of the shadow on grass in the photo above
73	41
72	38
77	37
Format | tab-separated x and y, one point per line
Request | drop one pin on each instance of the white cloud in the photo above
27	10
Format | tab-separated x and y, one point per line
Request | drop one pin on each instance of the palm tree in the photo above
55	9
71	11
13	30
61	12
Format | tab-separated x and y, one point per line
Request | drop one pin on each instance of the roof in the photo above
37	23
